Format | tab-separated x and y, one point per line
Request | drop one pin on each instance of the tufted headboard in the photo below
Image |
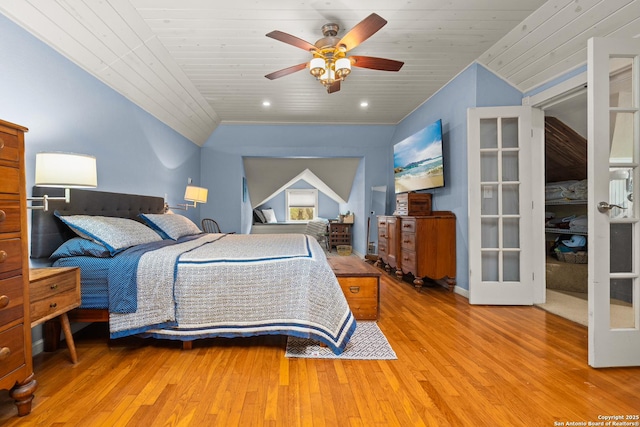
48	232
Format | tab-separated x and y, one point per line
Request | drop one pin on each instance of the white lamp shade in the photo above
343	64
196	194
66	170
316	66
330	76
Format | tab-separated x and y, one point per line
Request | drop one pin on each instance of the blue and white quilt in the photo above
235	285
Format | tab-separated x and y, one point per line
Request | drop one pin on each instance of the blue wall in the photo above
474	87
67	109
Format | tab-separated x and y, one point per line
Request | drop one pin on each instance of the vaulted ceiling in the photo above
194	64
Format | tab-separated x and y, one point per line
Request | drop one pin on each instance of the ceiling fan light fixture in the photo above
343	68
330	64
317	67
329	77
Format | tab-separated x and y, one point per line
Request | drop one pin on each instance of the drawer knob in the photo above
1	143
354	289
3	256
53	305
54	286
4	301
4	352
3	215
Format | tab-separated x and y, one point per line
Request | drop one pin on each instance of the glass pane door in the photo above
502	246
500	195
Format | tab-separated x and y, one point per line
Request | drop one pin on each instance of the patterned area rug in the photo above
367	343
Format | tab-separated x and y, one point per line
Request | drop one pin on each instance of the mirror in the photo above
378	206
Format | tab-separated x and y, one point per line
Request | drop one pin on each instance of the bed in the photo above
186	285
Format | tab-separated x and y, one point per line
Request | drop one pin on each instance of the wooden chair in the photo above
210	226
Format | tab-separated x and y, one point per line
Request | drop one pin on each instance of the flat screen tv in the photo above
417	160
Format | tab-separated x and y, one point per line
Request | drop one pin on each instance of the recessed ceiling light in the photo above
364	104
266	103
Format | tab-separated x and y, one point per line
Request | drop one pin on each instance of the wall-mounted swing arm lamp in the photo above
63	170
191	194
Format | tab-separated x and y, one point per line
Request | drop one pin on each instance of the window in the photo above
302	205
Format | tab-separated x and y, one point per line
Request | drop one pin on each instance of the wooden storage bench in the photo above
360	283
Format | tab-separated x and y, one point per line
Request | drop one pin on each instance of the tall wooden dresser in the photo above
423	246
16	370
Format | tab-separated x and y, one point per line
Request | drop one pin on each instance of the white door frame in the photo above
563	91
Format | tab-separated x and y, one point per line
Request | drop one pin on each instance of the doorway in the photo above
566	249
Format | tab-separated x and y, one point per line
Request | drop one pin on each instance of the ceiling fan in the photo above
330	63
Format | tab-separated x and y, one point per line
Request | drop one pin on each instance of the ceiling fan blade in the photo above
292	40
362	31
334	87
286	71
373	63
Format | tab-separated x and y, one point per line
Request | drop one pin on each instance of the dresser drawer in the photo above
408	241
409	262
11	299
51	286
409	225
10	255
382	247
9	216
10	182
11	350
9	148
53	306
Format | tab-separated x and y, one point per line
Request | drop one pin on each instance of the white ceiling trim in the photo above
311	179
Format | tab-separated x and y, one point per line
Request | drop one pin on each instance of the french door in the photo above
506	243
614	229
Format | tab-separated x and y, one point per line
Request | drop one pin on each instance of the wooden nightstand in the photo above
53	292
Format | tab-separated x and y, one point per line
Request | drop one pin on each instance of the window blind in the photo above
302	198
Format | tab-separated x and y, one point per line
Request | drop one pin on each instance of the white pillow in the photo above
171	226
116	234
269	215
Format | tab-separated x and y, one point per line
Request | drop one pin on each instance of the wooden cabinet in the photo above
54	291
16	371
339	234
422	246
388	241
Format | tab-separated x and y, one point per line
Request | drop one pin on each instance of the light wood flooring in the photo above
458	365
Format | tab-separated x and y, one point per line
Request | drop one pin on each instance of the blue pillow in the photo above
171	226
78	246
116	234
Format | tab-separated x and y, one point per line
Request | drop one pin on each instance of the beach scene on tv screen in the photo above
417	160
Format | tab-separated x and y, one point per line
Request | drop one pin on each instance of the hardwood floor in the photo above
458	365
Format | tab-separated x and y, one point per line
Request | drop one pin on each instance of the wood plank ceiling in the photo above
194	64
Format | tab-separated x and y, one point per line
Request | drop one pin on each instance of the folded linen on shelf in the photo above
572	189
